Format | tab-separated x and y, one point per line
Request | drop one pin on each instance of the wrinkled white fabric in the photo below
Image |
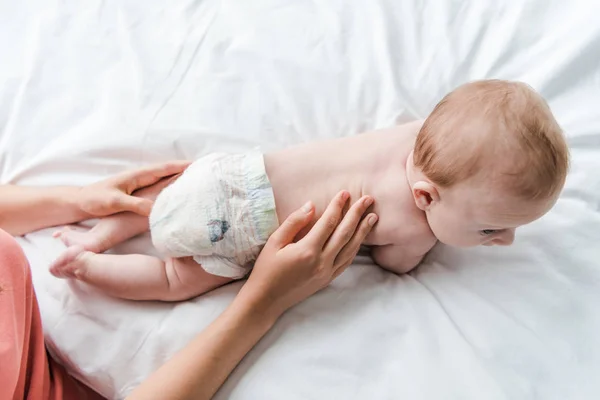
221	211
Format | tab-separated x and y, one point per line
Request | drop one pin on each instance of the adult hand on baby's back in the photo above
286	273
114	195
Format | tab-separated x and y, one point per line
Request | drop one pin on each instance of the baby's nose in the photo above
505	238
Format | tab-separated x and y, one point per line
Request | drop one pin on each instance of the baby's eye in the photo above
487	232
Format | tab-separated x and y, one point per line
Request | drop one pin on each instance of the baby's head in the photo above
489	158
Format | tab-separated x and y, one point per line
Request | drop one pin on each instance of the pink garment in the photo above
26	370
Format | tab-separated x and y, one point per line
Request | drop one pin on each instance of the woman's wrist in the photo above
72	195
257	307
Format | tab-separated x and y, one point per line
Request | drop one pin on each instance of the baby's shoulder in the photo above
408	131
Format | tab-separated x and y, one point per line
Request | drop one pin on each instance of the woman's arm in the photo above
25	209
199	370
284	274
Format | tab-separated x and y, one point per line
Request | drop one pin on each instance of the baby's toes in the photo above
63	235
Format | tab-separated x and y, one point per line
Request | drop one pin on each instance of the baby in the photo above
489	158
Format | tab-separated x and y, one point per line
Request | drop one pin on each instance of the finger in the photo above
58	233
324	227
137	205
346	229
146	176
292	225
349	251
340	270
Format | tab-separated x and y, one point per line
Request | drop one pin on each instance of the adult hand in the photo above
114	195
286	273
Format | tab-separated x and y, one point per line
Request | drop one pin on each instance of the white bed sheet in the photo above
91	88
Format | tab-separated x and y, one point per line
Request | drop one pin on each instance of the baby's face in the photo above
469	216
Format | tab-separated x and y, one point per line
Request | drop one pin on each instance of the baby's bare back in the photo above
372	164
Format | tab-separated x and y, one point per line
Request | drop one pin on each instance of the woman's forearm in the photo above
200	368
25	209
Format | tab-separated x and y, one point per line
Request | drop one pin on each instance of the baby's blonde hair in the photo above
483	124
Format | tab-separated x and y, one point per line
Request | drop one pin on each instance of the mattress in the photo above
88	89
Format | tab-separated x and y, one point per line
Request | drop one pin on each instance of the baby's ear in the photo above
425	194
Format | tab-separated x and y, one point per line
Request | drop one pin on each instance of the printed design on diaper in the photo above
217	229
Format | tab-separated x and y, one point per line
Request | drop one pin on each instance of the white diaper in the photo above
221	211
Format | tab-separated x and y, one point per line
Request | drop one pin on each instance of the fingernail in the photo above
368	201
345	195
372	219
307	207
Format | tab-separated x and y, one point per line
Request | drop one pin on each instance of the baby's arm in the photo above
398	259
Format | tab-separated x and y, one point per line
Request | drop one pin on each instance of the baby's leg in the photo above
136	276
112	230
107	233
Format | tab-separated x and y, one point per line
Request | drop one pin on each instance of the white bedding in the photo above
91	88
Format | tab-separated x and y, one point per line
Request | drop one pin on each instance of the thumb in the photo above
293	224
134	204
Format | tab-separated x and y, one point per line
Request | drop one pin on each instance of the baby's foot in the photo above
71	237
71	263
